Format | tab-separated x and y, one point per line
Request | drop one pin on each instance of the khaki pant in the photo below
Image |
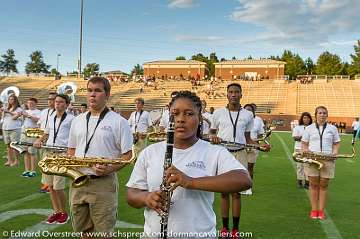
56	182
241	157
11	135
251	156
30	149
94	206
327	171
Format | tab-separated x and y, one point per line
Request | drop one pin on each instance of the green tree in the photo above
354	68
213	58
328	64
36	64
8	64
91	69
309	66
180	58
294	64
137	70
53	71
210	67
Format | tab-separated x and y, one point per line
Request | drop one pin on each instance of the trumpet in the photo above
67	166
34	132
319	158
18	146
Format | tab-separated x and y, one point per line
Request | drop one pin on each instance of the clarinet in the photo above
165	187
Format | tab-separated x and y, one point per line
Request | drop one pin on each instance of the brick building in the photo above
174	68
250	69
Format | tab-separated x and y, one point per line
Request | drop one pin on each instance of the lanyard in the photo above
56	131
101	117
47	116
232	121
321	134
136	123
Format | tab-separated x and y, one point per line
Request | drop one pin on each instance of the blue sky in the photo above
119	34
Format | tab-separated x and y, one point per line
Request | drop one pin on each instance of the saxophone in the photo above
165	187
67	166
34	132
319	158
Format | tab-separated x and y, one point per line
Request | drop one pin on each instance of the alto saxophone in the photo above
34	132
67	166
166	187
319	158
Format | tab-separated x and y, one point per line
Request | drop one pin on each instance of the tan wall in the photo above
229	73
158	72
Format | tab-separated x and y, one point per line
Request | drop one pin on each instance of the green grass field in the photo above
278	209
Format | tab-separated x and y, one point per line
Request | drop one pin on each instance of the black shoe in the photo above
299	184
306	185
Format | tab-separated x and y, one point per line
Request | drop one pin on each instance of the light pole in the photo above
81	31
57	63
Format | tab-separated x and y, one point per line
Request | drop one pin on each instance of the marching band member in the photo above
11	128
320	137
98	133
232	123
256	132
139	120
207	117
31	117
297	133
198	169
57	134
43	122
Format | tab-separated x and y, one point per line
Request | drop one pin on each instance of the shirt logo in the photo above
106	128
196	164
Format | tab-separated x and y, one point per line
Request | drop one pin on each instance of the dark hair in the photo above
141	100
234	84
103	80
84	105
65	97
17	103
301	120
33	99
195	100
255	106
252	108
112	108
52	93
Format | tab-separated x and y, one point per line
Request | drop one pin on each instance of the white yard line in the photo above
327	225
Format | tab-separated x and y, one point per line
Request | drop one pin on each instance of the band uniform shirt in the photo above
298	131
206	126
164	121
62	137
312	136
28	122
258	128
355	125
221	121
111	138
45	114
9	123
140	120
192	210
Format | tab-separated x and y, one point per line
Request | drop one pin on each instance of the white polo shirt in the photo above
312	136
140	121
258	128
28	122
355	125
44	117
221	121
164	121
298	131
192	210
112	137
9	123
206	126
62	137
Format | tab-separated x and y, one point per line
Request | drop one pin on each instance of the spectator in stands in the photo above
211	110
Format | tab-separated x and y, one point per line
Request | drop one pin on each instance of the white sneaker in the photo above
247	192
